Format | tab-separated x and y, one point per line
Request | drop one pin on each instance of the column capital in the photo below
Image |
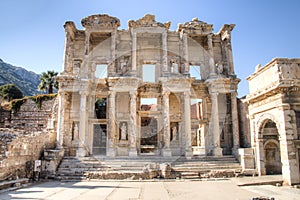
187	93
165	93
83	93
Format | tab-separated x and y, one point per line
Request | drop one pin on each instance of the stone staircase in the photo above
207	167
147	167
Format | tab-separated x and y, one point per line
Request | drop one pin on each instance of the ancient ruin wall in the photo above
30	130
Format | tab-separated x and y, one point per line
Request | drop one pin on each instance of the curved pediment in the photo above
148	21
100	20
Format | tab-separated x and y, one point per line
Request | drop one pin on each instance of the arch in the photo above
268	152
261	122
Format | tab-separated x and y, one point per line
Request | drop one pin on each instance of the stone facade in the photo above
147	90
274	115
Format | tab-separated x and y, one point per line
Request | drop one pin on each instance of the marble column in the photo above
81	152
216	147
165	52
111	130
112	67
166	123
87	43
211	62
60	120
235	124
229	58
133	49
68	52
187	125
185	53
132	123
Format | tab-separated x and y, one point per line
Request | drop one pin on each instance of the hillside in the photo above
27	81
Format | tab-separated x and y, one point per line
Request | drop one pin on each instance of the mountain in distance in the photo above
26	81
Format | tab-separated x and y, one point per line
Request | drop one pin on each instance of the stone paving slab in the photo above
225	189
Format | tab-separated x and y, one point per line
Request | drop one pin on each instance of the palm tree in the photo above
48	82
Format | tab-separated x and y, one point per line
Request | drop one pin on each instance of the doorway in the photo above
99	139
148	135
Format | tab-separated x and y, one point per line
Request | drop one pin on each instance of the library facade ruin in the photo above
147	90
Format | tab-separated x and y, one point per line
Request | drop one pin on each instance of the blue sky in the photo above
32	34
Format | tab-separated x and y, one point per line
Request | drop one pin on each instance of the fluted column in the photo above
187	125
132	122
166	150
60	120
216	147
111	125
81	152
133	49
165	52
185	53
211	62
235	124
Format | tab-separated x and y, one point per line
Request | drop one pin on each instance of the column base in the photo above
213	75
133	153
188	154
217	151
235	151
111	152
167	152
198	150
81	152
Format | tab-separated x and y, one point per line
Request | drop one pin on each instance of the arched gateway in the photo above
147	90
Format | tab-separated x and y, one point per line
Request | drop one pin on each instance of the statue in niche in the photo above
174	133
220	68
123	131
123	65
174	66
199	137
76	132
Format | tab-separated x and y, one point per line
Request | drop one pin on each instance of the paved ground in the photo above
187	190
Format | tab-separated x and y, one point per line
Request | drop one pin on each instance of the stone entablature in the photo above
277	75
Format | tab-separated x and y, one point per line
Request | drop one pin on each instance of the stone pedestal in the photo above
167	152
111	152
188	154
217	151
133	153
198	150
246	158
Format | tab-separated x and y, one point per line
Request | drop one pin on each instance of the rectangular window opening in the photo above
101	71
149	104
195	71
149	73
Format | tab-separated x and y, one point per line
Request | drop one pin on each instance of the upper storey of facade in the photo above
279	75
148	50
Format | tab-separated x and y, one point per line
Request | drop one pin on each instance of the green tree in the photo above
10	92
48	82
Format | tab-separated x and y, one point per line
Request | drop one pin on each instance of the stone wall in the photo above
19	149
27	129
